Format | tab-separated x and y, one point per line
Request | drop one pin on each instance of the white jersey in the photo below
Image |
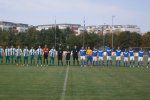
1	51
12	51
25	52
7	52
39	52
18	52
52	52
32	52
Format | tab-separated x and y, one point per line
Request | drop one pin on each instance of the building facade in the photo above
17	27
73	27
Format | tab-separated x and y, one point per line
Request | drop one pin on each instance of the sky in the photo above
95	12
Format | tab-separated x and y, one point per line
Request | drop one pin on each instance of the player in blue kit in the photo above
140	57
126	55
148	62
82	54
94	54
131	55
109	59
118	57
100	57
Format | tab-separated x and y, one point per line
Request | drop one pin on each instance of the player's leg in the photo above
6	59
107	60
31	60
74	59
119	61
61	62
77	60
27	61
116	61
81	61
41	60
148	62
0	59
139	60
53	60
93	61
38	58
69	60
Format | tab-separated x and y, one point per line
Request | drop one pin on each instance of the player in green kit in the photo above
25	54
39	53
7	55
32	54
1	54
18	56
12	54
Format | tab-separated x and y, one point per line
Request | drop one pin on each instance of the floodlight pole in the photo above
103	35
55	31
83	44
112	31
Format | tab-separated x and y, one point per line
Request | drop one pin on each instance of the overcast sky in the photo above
96	12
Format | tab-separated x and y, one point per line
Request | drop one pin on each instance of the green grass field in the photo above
46	83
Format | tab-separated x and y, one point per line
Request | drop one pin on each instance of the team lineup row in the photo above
87	56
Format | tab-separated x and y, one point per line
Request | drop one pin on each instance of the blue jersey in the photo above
82	52
131	52
126	54
100	53
108	52
118	52
94	53
149	54
141	53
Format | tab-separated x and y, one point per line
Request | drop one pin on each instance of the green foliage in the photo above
67	37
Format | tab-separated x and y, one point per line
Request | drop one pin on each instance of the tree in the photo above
146	40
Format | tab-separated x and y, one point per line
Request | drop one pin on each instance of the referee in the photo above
75	52
68	53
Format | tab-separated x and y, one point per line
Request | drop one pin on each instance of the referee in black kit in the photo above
60	56
75	52
68	53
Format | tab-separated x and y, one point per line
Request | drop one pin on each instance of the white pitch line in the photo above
65	85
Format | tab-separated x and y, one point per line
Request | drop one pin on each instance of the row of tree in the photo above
57	37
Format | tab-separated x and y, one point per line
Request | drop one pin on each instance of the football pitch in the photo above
74	83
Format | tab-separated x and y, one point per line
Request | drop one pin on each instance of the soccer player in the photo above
148	63
100	57
52	54
12	54
60	56
131	54
18	55
140	57
126	55
82	54
89	53
118	57
1	54
75	52
26	55
94	54
39	53
32	54
68	53
109	59
45	54
7	55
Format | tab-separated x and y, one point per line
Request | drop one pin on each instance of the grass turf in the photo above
46	83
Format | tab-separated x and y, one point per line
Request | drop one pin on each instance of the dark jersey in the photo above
75	52
60	54
68	53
